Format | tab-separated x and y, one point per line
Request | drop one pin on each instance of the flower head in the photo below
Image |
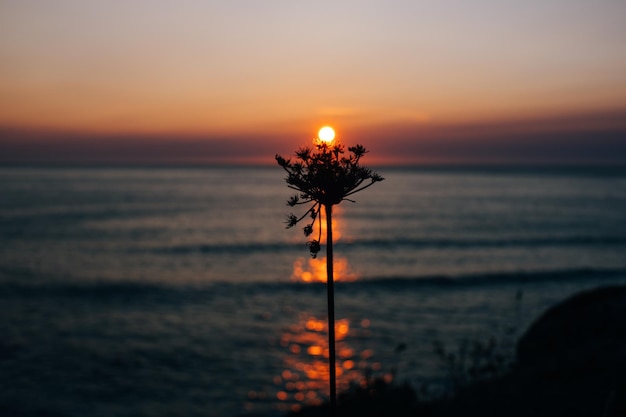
324	176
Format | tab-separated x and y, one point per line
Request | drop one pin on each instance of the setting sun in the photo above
326	134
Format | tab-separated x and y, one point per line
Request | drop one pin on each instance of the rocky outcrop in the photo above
571	362
586	332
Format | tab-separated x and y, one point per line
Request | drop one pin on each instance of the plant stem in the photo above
331	310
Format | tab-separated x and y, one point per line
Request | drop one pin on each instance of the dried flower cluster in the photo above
324	177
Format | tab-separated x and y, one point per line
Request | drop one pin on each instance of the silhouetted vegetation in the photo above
473	361
324	178
376	396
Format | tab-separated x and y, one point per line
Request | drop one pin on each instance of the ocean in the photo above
164	291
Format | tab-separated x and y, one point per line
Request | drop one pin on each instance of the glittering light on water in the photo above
304	381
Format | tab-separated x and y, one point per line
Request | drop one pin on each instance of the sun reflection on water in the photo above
304	381
314	270
305	377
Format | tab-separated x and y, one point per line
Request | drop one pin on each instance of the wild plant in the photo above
323	177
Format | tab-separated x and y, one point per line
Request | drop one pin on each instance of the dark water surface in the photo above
164	292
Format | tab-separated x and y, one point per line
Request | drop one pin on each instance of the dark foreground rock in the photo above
571	362
585	332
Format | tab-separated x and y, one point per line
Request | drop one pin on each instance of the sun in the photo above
326	134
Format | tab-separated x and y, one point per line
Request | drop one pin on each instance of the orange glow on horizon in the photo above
221	85
496	140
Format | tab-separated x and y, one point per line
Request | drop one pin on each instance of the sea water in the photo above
168	291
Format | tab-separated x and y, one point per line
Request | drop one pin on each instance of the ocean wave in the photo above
491	243
496	278
161	292
402	243
218	248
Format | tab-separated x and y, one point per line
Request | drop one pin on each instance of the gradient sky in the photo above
237	81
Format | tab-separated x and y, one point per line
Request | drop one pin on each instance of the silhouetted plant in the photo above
374	396
324	177
473	362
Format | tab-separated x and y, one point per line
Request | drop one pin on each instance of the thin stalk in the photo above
331	310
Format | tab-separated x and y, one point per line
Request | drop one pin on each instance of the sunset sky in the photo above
417	82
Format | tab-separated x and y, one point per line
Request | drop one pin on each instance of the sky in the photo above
416	82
